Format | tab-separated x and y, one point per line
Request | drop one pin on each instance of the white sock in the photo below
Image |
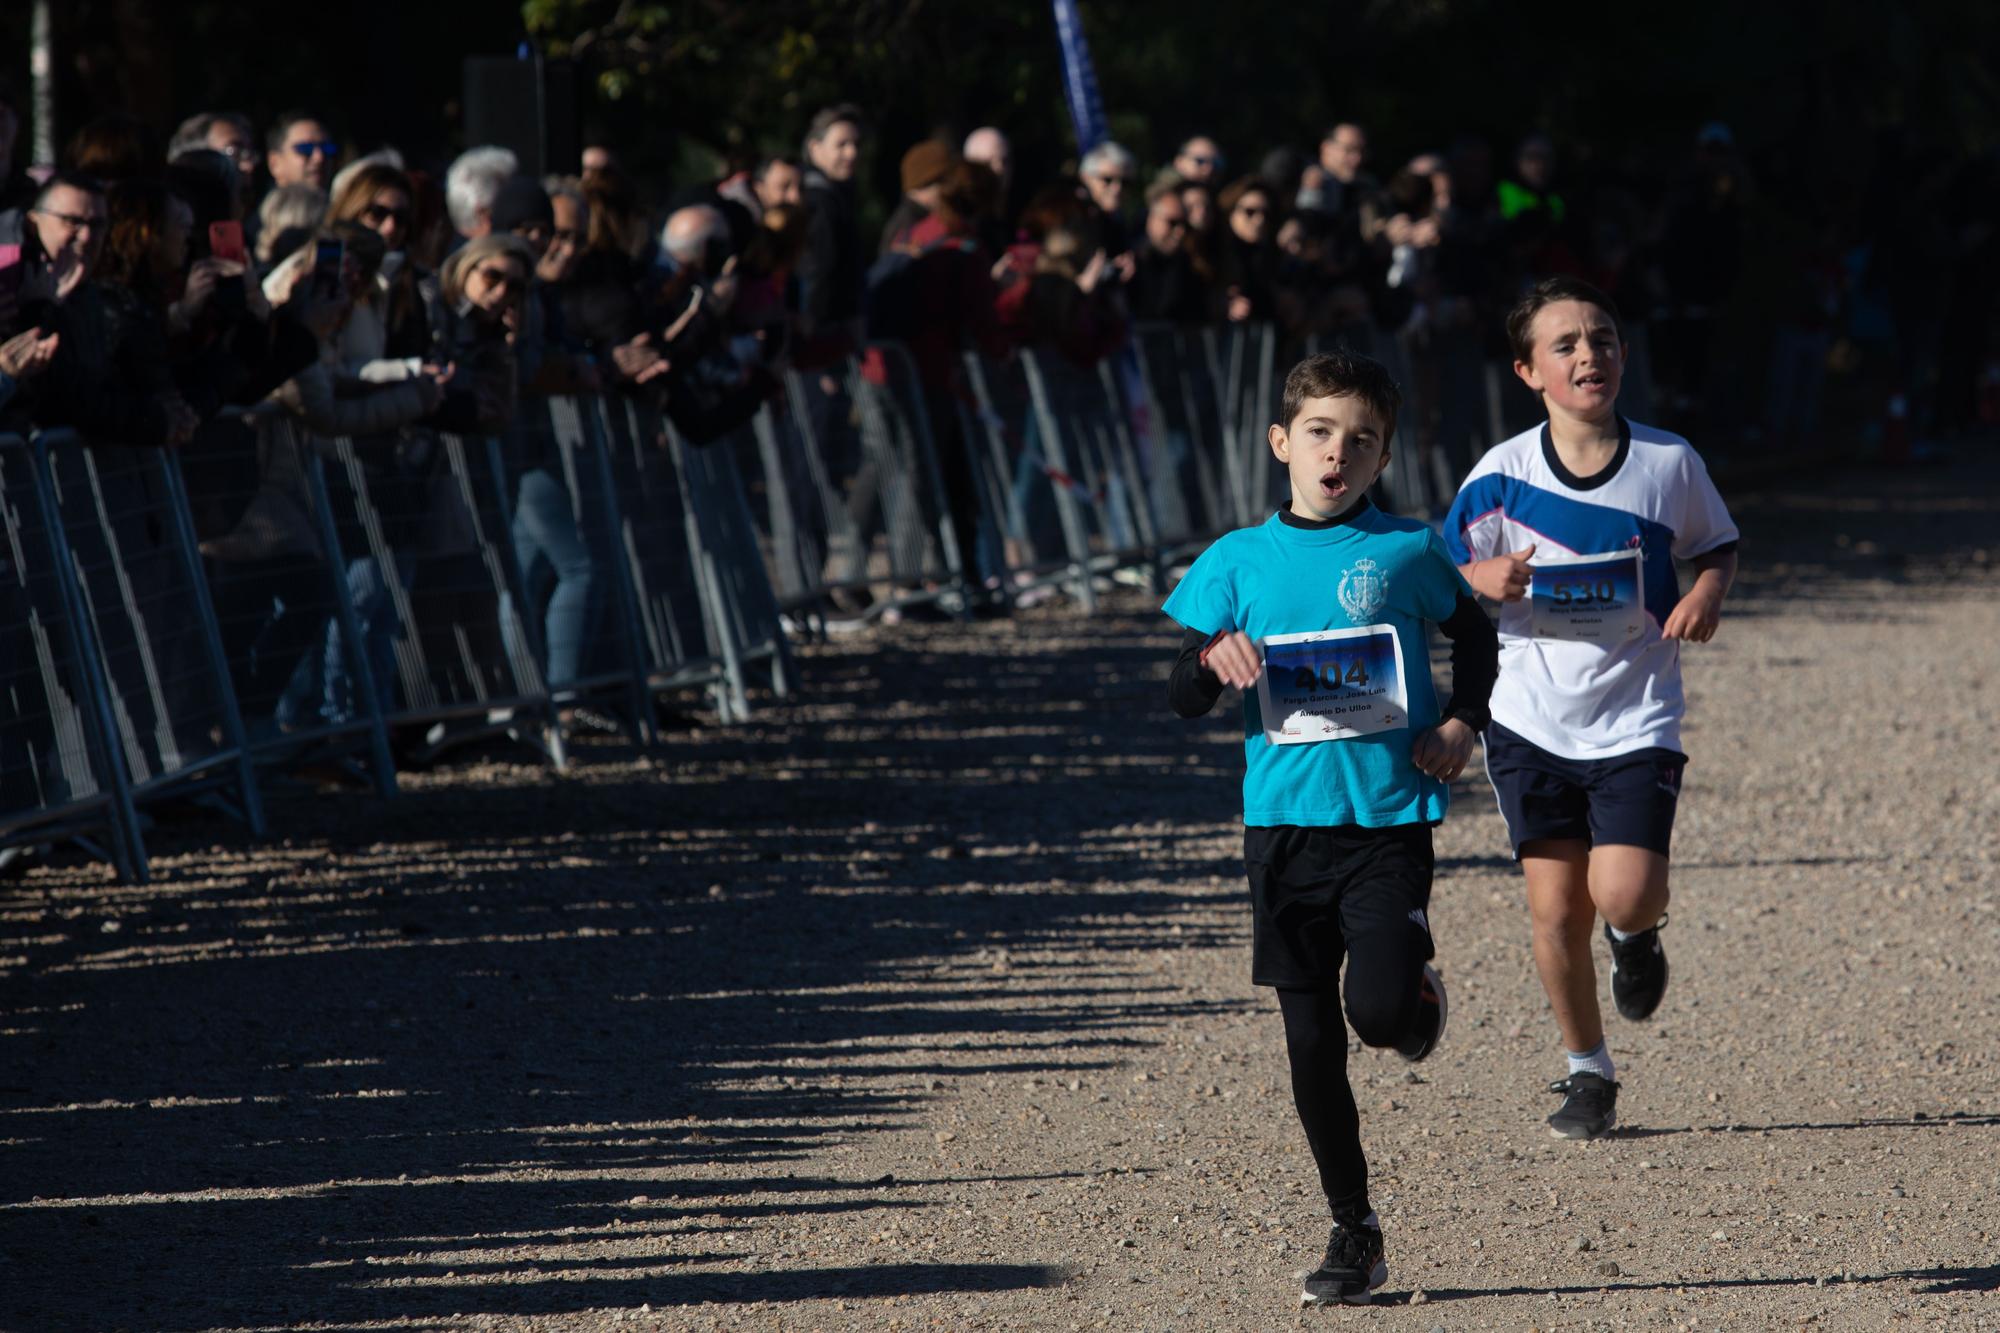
1596	1060
1622	935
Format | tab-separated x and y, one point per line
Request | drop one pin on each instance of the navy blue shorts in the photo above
1628	799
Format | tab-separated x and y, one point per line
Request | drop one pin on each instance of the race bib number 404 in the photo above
1332	685
1588	598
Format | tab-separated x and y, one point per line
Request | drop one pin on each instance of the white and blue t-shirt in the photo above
1584	671
1373	580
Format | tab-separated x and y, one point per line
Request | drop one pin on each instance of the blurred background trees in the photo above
676	82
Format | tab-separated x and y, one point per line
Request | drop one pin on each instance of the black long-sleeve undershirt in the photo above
1192	688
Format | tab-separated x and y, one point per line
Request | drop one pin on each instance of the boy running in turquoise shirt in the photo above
1317	615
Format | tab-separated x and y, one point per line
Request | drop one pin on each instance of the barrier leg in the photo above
249	794
128	847
382	764
625	598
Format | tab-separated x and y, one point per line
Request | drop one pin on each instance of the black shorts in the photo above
1320	894
1628	799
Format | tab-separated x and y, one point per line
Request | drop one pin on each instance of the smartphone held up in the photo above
329	258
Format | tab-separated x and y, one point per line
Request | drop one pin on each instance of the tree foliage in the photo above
739	78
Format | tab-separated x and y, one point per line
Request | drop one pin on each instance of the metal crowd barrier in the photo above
1243	359
844	489
580	615
692	578
139	585
58	778
722	541
319	597
1016	471
1068	473
1093	462
1180	399
419	519
277	582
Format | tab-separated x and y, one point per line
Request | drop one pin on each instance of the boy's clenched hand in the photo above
1504	578
1694	617
1234	659
1444	750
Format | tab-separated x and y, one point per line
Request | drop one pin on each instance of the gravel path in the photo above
923	1003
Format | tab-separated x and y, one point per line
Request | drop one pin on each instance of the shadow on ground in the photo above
508	1009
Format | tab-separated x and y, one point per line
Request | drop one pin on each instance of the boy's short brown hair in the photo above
1521	319
1343	374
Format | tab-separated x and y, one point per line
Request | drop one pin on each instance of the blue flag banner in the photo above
1086	104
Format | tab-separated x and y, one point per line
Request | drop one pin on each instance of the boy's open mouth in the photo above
1332	483
1593	380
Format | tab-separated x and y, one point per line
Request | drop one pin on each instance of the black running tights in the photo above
1316	1042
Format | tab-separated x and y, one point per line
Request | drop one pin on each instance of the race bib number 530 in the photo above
1588	598
1332	685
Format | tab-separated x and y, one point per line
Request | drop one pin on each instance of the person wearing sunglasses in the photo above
1247	253
302	151
484	286
1108	171
354	390
1166	285
1199	161
381	198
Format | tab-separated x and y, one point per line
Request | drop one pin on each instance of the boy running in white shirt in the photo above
1574	527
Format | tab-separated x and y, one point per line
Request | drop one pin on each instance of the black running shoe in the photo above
1432	1009
1353	1267
1589	1109
1638	972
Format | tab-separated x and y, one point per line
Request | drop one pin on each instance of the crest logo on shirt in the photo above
1363	591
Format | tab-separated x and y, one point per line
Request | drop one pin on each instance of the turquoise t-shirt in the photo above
1275	579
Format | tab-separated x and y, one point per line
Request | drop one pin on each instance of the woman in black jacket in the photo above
1246	253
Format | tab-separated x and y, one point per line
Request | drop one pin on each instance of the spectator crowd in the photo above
146	284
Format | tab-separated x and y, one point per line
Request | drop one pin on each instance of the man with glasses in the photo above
47	254
1108	171
303	151
70	224
47	249
223	132
1165	285
1341	187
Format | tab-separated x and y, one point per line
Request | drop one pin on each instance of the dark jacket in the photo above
463	336
834	267
1166	287
109	379
1252	270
